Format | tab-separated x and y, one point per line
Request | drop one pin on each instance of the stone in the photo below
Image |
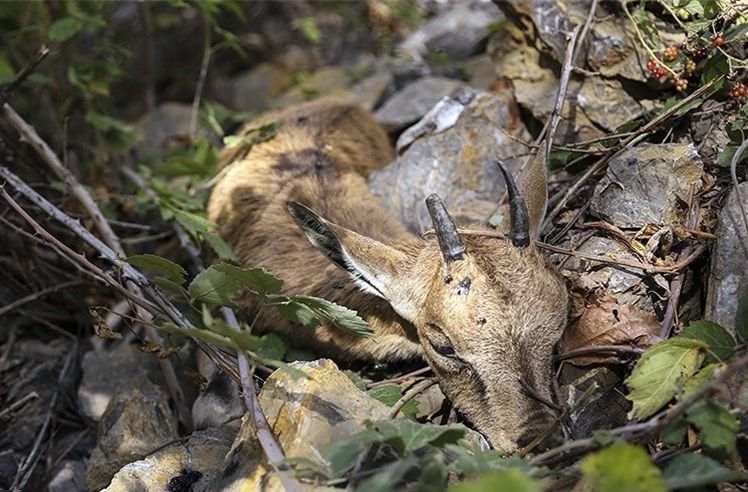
411	103
69	476
452	151
457	32
164	128
99	382
305	414
254	89
137	422
729	276
647	184
196	464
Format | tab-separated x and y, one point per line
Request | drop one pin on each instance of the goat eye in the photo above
444	350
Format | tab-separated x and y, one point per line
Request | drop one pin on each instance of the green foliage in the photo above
660	372
720	342
389	394
622	466
504	481
174	272
718	427
688	471
308	27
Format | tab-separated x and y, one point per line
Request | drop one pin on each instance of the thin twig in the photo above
201	78
30	135
267	440
414	391
37	295
18	403
41	52
413	374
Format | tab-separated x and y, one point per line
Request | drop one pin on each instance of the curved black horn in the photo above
450	243
519	219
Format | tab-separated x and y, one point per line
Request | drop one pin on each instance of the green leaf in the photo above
173	271
675	432
214	286
193	223
296	312
389	394
741	317
271	346
660	371
736	32
472	463
715	66
166	284
407	436
718	427
720	342
308	28
341	317
219	246
502	481
696	470
622	466
64	29
700	379
343	453
258	280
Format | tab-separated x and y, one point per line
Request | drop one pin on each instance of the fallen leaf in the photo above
605	322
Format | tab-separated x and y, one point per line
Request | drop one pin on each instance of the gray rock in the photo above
481	72
456	32
164	128
100	382
195	465
254	89
409	104
729	274
453	152
646	184
137	422
69	476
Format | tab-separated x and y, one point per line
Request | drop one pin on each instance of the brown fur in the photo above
503	327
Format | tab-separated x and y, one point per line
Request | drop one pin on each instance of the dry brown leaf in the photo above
605	322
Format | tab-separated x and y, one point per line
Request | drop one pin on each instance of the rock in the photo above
410	104
646	184
137	422
457	32
728	276
254	89
606	103
453	152
481	72
195	465
164	128
99	382
304	414
69	476
605	409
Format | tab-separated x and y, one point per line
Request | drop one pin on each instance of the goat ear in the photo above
375	267
533	186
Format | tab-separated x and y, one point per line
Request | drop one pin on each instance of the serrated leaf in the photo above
696	470
471	463
718	428
715	66
193	223
502	481
258	280
219	246
389	394
737	31
271	346
296	312
341	317
741	317
166	284
173	271
343	453
720	342
700	379
407	436
214	286
622	466
660	371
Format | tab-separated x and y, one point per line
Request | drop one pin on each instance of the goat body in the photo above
483	310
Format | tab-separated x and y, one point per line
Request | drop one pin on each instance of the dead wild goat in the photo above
483	309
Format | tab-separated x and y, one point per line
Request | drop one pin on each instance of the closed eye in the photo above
441	343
